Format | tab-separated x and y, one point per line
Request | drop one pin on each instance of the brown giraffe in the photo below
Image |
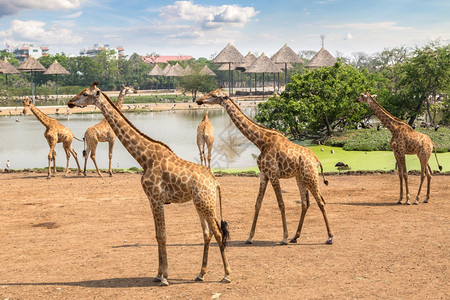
205	135
279	158
166	178
405	140
102	132
54	133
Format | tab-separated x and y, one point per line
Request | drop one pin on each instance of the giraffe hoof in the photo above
399	202
249	241
199	278
284	242
293	241
226	280
416	203
164	282
425	201
329	241
407	203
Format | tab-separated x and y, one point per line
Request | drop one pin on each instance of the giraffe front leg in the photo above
160	228
51	155
111	147
400	162
263	180
277	188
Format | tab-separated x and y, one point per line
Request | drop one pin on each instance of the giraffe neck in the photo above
144	149
384	116
120	98
43	118
251	130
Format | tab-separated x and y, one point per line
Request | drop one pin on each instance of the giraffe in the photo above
279	158
405	140
102	132
205	135
54	133
166	178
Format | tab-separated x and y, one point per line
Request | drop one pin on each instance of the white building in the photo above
92	52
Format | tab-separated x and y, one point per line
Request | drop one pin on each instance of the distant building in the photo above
27	50
92	52
156	59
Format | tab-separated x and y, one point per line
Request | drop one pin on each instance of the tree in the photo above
318	102
420	81
195	81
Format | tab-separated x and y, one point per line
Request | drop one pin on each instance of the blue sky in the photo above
203	28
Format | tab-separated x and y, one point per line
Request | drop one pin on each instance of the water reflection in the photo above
23	142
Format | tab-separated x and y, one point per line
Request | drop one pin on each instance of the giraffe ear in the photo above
374	96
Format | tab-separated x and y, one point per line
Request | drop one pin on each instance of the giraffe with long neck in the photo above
54	133
102	132
205	135
405	140
166	179
279	158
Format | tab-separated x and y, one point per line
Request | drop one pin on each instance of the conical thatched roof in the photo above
286	55
31	65
156	71
263	64
7	68
250	58
56	68
188	70
207	71
167	69
323	58
229	54
283	65
174	71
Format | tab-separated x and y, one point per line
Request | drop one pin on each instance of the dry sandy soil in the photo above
86	238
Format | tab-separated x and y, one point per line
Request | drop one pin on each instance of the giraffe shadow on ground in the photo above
126	282
365	203
231	244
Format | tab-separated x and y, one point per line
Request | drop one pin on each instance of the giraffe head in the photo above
365	98
214	97
26	104
88	96
128	89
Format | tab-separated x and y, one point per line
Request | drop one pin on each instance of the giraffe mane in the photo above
388	113
132	126
249	119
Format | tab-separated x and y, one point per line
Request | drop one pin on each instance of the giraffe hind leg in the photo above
429	175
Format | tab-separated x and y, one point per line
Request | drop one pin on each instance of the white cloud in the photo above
207	17
348	36
380	26
36	31
10	7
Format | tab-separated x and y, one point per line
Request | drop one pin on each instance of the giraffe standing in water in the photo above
54	133
405	140
166	178
279	158
205	135
102	132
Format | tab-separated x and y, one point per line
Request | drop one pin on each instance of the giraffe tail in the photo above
323	175
81	140
223	224
435	155
84	146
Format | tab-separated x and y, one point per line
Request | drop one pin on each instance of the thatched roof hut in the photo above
323	58
263	64
207	71
156	71
56	69
229	54
286	55
31	65
7	68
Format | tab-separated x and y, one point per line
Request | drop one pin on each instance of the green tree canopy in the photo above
318	102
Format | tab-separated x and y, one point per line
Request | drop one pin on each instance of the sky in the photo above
203	28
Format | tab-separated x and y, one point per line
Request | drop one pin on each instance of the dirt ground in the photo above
93	238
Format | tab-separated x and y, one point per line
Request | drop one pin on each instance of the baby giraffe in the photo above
54	133
102	132
279	158
166	178
205	135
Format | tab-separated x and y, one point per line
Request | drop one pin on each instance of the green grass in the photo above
373	140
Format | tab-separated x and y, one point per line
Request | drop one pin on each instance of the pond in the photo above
24	145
